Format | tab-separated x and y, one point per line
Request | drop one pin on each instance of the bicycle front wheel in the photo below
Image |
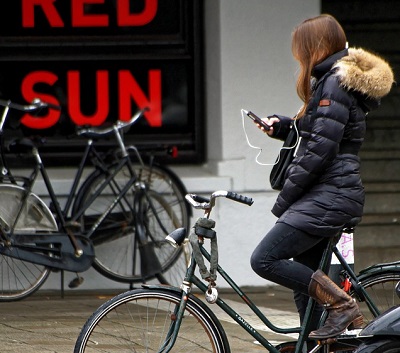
141	320
116	247
380	287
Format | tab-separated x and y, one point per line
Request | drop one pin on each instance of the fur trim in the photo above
365	72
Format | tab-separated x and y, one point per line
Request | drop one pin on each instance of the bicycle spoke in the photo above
142	321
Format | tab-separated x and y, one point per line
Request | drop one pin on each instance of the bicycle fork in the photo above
178	313
176	320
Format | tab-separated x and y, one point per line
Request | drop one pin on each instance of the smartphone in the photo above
258	120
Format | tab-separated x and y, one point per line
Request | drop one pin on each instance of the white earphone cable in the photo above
244	112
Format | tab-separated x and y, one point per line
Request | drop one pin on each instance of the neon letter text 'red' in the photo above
81	18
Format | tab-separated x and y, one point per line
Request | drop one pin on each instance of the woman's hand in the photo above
270	121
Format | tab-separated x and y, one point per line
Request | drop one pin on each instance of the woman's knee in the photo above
255	261
273	248
261	262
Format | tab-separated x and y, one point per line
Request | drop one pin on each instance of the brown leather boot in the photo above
342	309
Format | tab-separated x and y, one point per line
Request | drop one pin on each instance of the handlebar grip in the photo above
239	198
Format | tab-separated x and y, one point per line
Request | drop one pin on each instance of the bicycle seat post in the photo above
120	141
3	117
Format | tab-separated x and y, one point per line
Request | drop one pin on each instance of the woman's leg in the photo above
271	258
271	261
310	258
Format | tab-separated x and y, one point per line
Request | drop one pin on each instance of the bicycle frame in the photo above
361	292
124	161
60	216
98	162
191	279
76	246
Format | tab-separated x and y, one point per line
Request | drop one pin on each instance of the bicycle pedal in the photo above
350	333
76	282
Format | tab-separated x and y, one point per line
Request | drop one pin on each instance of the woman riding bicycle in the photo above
322	190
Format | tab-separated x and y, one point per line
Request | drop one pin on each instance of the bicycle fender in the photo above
381	268
388	323
34	214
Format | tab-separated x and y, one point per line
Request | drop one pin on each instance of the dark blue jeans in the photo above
272	260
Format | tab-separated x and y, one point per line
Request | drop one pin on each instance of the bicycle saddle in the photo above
349	226
94	133
24	145
352	223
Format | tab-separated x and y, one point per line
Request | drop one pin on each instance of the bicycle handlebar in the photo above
36	104
203	203
97	132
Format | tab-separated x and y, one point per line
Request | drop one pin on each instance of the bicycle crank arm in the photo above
78	250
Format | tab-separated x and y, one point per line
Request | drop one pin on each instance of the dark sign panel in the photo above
102	60
96	19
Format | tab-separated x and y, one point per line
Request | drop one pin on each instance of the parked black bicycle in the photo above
115	219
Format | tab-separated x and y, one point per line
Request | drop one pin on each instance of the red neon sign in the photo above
128	90
81	18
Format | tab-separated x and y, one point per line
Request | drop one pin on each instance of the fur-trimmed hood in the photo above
365	72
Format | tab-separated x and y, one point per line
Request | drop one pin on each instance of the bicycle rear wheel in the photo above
116	248
139	321
381	289
18	278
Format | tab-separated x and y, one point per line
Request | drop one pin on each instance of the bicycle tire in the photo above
19	278
380	286
139	320
116	251
382	345
173	261
165	182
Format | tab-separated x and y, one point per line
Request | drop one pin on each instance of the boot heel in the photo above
357	323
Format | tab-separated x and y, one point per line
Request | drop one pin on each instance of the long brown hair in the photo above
313	41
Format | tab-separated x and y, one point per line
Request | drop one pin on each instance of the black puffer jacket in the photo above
323	189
